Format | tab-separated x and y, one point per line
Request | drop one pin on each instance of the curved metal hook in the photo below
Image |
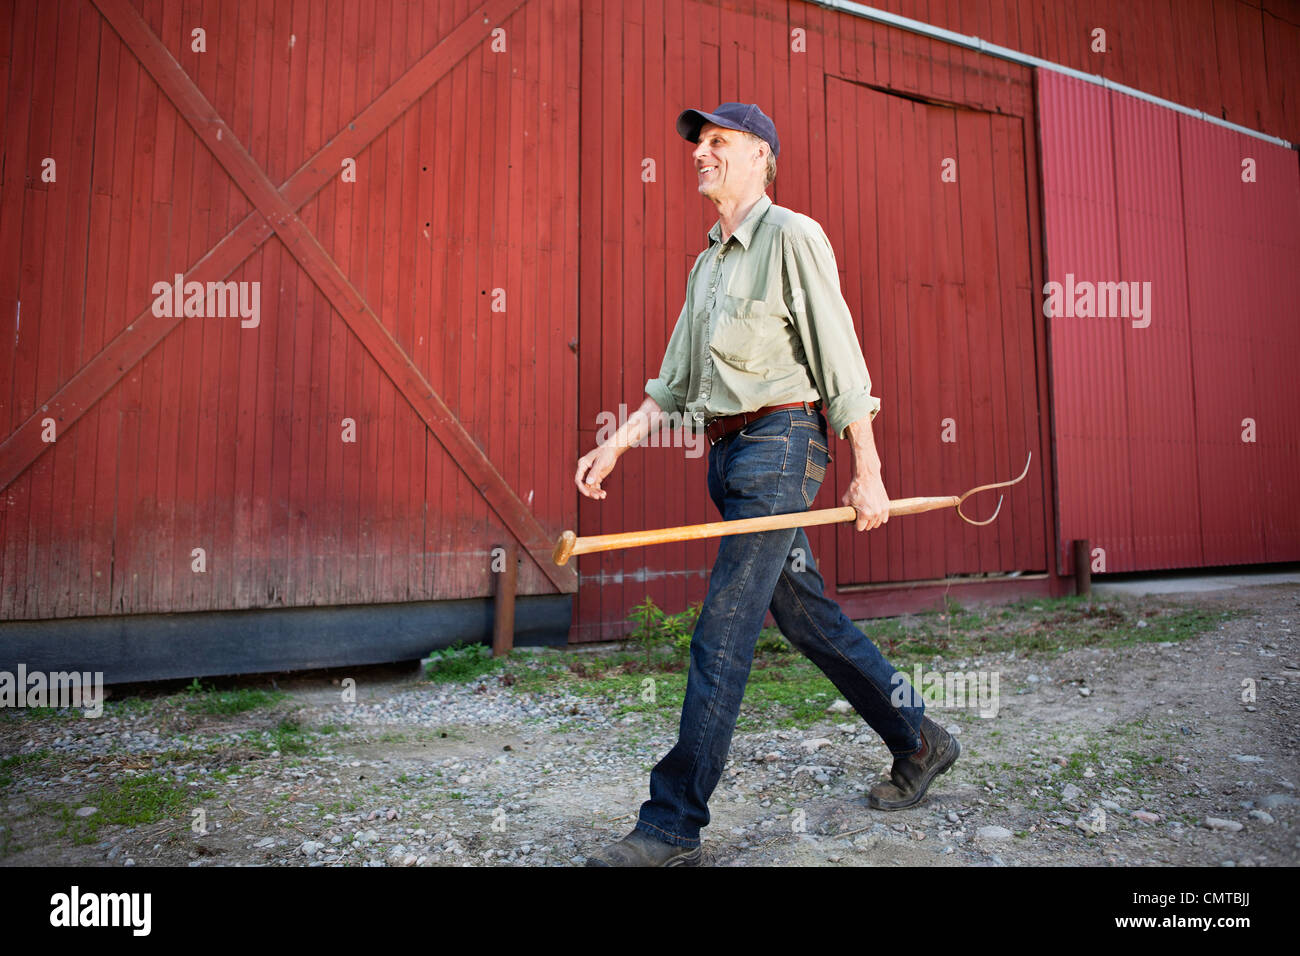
997	484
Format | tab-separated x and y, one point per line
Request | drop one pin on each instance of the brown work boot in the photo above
910	777
641	849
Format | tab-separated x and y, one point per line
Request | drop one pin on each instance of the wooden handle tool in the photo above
570	544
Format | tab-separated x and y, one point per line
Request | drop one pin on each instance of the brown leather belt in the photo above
720	428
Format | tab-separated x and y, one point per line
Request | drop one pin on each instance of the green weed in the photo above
461	663
208	700
135	801
11	764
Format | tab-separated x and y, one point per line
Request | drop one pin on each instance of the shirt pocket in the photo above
744	335
749	331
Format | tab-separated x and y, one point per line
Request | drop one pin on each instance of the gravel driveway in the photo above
1144	754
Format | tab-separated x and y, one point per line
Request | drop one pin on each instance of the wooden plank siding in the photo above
180	434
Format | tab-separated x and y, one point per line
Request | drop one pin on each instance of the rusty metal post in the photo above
1082	566
503	621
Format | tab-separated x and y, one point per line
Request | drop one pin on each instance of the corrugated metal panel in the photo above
1089	397
1151	464
1243	243
1161	426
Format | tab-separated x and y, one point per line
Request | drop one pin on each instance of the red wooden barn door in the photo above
933	201
377	291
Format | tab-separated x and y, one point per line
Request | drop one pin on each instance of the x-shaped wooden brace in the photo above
275	212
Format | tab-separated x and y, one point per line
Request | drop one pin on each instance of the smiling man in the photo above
763	358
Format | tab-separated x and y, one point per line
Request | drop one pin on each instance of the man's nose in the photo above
700	151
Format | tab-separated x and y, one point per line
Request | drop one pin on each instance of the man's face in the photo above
728	163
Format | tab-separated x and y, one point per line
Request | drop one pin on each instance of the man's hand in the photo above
592	469
868	498
866	493
594	466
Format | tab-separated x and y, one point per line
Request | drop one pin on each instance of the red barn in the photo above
307	308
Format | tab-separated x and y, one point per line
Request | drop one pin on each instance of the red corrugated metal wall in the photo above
1149	418
227	438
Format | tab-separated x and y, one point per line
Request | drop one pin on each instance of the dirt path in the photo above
420	774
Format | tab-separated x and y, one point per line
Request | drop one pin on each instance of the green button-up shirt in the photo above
764	323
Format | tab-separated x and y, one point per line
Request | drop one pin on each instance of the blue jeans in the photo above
773	466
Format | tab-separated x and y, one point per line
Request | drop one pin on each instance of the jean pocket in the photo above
814	472
773	427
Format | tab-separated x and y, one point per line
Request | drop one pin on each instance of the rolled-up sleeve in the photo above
669	390
825	326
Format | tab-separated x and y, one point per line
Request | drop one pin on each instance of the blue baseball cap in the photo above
742	116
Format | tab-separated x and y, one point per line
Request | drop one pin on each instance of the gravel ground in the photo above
1139	755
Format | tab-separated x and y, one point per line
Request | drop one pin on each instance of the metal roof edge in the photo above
1006	53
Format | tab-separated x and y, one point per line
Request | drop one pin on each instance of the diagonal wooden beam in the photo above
130	346
123	352
330	279
139	338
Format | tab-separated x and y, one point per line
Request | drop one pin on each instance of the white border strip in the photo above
1006	53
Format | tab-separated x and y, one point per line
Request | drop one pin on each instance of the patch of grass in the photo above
789	693
1043	626
133	706
9	766
135	801
288	737
772	642
462	663
1133	757
208	700
43	713
786	689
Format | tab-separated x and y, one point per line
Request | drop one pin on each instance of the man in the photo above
764	345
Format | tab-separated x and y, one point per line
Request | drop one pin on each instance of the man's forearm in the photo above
866	460
637	427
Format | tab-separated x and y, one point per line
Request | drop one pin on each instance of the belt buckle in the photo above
722	431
